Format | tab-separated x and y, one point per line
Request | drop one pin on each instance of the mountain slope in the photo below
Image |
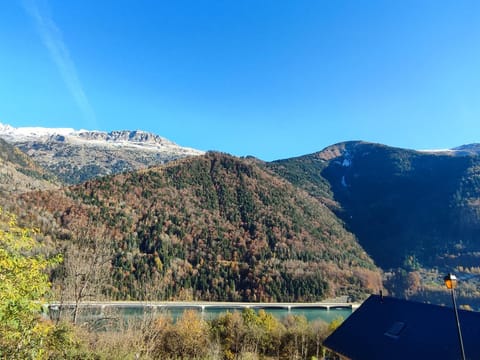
18	173
401	204
76	156
214	227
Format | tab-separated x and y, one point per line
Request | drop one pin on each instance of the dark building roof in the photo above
389	328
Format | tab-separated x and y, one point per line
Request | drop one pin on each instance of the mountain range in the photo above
219	227
78	155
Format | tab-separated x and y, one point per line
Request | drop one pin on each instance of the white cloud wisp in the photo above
53	41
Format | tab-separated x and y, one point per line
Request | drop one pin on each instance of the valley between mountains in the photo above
349	220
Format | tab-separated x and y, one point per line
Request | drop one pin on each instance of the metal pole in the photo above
460	339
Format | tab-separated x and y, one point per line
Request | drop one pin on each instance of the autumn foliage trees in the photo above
230	336
207	228
24	285
210	228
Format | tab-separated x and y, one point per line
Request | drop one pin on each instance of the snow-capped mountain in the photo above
123	138
463	150
470	149
78	155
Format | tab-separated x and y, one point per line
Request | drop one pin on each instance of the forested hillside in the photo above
213	227
400	203
224	228
416	213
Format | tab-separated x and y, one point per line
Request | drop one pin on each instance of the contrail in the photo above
52	39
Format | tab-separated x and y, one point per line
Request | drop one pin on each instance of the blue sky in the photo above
268	78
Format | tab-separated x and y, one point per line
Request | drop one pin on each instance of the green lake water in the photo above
132	313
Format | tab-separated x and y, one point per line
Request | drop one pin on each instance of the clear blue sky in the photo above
268	78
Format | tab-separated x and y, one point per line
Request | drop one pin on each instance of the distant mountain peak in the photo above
78	155
9	132
463	150
23	134
468	149
344	148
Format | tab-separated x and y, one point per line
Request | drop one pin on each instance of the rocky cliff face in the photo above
76	156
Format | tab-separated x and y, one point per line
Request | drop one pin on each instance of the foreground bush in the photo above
231	336
24	284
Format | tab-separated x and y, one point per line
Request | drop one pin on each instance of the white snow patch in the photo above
436	150
32	133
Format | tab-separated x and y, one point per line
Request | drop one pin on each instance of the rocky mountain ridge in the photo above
79	155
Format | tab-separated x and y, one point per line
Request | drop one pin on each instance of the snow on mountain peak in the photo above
463	150
11	133
124	138
78	155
